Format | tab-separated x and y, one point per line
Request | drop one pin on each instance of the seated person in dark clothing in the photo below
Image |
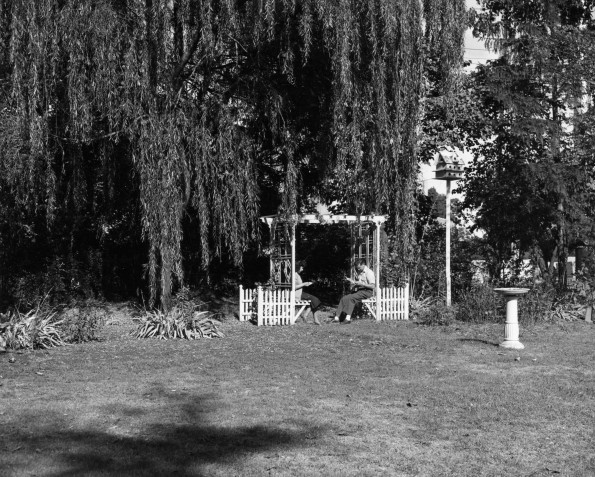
362	288
302	295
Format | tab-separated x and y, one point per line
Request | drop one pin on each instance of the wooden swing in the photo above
280	307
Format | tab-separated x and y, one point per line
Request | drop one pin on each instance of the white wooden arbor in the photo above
281	305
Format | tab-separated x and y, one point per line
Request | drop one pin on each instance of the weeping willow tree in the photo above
212	103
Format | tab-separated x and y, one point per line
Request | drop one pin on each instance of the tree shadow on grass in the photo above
158	448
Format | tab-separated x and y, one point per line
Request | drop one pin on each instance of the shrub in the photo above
44	328
32	330
569	303
479	304
177	324
437	314
82	324
537	305
418	308
542	303
546	303
186	320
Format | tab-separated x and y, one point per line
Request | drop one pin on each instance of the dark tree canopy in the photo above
174	117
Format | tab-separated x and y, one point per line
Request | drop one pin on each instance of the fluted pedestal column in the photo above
511	328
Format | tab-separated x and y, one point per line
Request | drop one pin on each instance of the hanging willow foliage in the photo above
211	96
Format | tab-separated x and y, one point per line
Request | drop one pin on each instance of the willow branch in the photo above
185	59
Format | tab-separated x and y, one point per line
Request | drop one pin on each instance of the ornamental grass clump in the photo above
570	303
177	324
36	329
546	303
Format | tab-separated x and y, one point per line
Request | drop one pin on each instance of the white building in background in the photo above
528	271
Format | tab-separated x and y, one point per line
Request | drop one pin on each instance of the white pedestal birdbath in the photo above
511	329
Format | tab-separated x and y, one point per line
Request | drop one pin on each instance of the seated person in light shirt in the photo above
361	288
302	295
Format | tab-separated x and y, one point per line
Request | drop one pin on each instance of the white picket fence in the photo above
269	307
273	307
394	304
248	304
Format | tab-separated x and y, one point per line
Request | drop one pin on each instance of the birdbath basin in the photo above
511	329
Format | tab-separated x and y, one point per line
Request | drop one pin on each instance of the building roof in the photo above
449	157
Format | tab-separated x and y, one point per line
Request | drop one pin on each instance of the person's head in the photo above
300	265
359	265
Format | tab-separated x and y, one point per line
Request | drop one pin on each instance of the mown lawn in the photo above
362	399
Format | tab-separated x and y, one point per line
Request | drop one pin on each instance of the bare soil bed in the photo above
362	399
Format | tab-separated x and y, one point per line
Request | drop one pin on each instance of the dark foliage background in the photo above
141	139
